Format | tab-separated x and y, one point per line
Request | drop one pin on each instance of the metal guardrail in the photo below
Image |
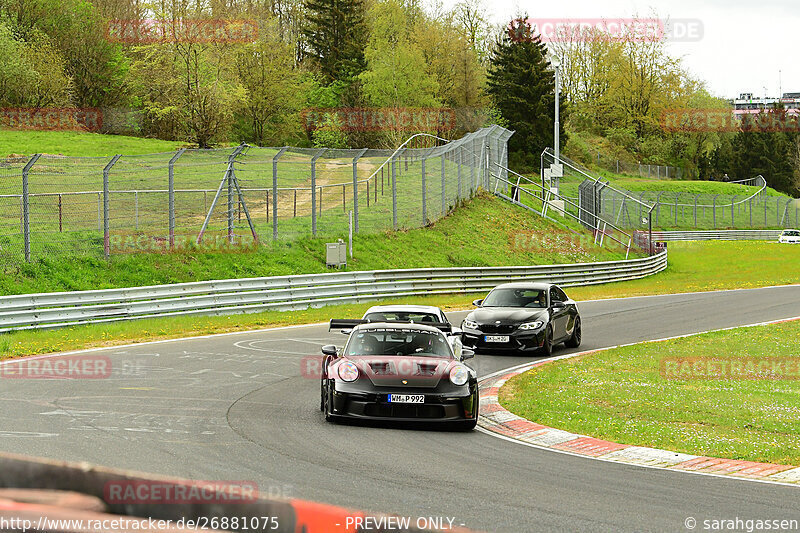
49	310
722	235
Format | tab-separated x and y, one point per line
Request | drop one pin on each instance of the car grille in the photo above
404	411
497	328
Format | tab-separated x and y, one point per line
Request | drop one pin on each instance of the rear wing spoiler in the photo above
350	323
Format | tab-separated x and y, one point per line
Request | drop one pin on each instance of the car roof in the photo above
400	326
413	308
536	285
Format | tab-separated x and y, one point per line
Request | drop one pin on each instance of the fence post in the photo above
750	207
171	185
424	192
677	195
444	186
355	188
394	192
314	191
765	212
714	210
26	222
106	221
275	192
695	209
778	210
460	159
733	219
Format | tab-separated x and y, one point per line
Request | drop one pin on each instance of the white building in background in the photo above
748	104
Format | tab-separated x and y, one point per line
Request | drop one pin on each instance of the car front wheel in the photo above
575	340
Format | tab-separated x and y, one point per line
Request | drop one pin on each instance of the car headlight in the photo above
348	371
532	325
470	324
459	375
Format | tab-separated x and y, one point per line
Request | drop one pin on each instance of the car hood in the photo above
507	315
400	372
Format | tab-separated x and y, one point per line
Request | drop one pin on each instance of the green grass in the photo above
709	266
624	396
481	233
72	143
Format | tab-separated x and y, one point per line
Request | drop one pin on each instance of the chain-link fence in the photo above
600	161
753	208
235	197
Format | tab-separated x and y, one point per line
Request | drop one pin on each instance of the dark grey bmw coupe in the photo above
522	317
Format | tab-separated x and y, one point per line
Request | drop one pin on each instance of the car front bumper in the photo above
518	341
438	407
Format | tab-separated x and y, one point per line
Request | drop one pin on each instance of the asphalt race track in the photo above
236	407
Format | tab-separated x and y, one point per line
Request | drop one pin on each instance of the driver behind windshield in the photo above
516	298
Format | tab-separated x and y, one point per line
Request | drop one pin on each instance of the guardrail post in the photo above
106	221
355	188
26	223
275	192
314	191
394	193
171	186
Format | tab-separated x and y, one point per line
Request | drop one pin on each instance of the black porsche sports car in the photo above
398	371
523	317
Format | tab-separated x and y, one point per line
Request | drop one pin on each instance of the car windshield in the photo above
791	233
398	342
404	316
516	298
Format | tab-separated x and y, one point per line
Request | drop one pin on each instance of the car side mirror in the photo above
477	303
559	305
454	332
466	353
347	331
329	349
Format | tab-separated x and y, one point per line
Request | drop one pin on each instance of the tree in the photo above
765	147
522	86
335	37
77	32
266	71
395	75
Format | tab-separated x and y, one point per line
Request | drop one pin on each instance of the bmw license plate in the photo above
496	338
406	398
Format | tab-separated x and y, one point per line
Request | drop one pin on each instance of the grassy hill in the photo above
486	231
27	142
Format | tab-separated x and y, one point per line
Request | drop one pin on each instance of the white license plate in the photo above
406	398
496	338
